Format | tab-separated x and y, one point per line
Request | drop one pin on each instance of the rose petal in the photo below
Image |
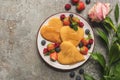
99	11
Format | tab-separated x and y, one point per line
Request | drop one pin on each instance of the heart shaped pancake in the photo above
69	34
69	54
51	32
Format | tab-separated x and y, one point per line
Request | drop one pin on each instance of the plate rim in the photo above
38	34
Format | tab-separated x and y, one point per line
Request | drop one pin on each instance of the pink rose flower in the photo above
99	11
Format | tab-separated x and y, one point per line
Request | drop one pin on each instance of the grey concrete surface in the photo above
19	23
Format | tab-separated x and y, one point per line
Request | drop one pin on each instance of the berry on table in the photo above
87	31
80	6
72	74
62	16
43	42
87	1
74	1
78	77
81	71
67	6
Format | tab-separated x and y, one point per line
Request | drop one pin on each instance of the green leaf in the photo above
114	54
116	12
99	58
118	29
75	28
114	39
103	36
106	26
109	21
88	77
115	71
74	25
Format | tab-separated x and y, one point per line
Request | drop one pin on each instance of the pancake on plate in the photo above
69	54
51	31
69	34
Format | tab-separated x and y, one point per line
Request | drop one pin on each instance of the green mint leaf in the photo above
116	12
88	77
75	26
47	54
99	58
103	36
114	54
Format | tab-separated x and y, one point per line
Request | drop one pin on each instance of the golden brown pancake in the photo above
69	54
55	22
51	32
69	34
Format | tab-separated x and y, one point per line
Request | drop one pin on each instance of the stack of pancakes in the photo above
55	32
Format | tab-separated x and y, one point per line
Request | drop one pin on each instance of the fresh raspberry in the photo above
91	41
56	45
45	50
67	6
62	16
81	24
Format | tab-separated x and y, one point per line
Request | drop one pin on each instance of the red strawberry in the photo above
54	56
50	47
76	19
80	6
91	41
45	51
67	6
74	1
62	16
85	41
66	22
84	50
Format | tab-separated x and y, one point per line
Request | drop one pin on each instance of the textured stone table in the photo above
19	23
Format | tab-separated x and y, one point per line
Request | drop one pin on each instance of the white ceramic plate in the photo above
57	64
